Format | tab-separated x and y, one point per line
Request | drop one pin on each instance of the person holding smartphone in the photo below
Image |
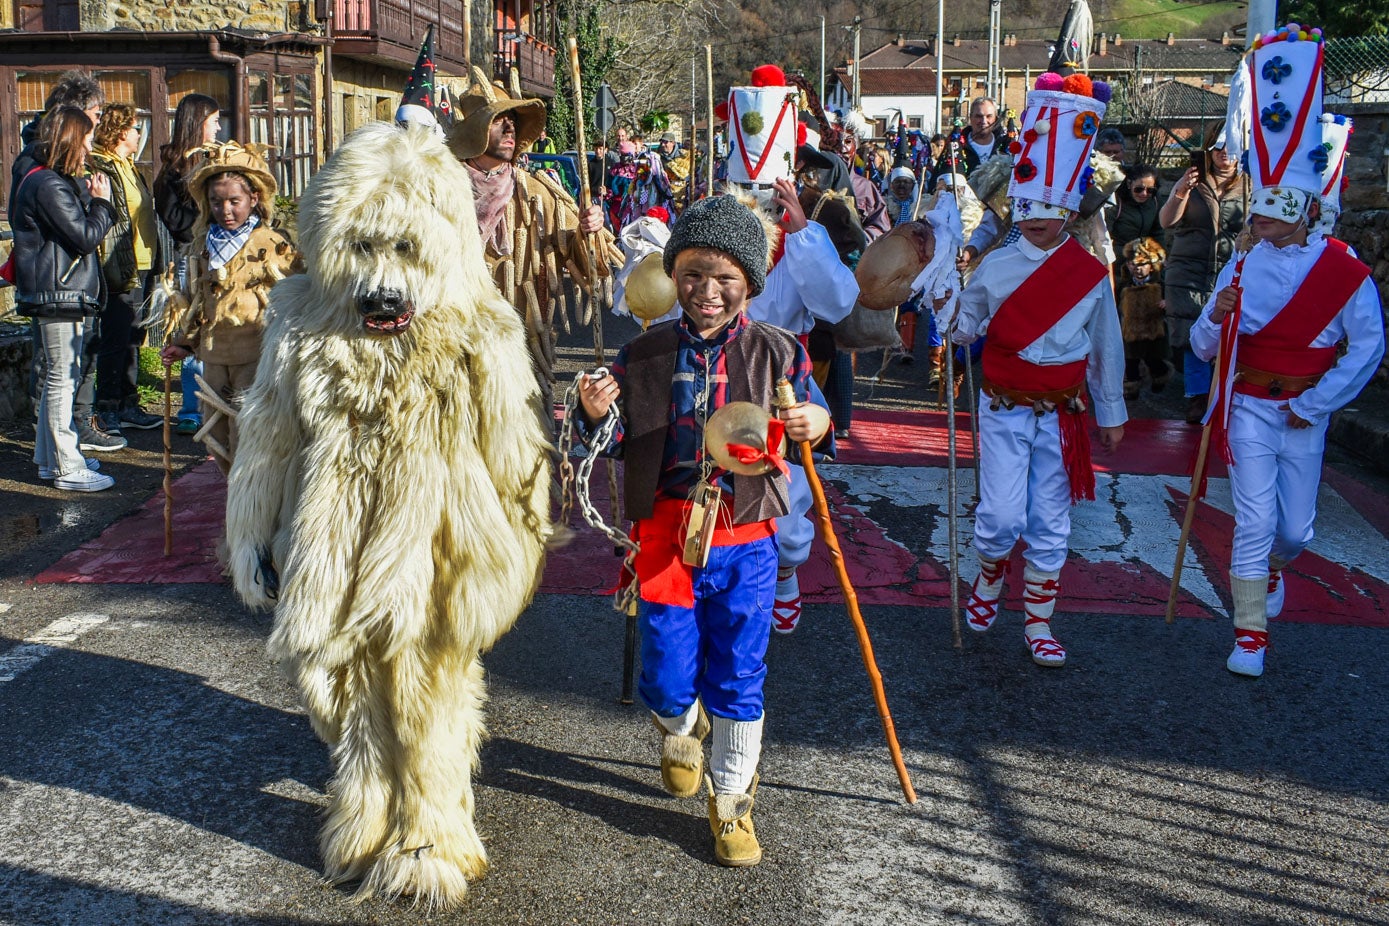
1205	212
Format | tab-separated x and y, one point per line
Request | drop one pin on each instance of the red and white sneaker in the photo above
982	609
1277	592
786	614
1248	655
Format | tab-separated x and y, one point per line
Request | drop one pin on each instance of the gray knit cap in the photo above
723	224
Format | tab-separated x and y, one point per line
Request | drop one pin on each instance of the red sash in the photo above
1033	309
664	577
1283	346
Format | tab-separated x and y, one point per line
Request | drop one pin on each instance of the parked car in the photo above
561	167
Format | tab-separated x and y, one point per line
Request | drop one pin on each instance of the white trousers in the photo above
1023	488
795	530
1273	482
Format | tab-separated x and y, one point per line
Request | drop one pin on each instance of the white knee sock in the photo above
680	724
789	588
736	750
1250	598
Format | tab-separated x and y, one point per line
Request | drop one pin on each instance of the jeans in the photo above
1196	373
84	401
189	411
55	441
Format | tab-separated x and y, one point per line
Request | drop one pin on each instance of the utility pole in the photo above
940	66
1263	17
995	40
858	31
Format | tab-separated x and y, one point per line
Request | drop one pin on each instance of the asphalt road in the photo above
156	768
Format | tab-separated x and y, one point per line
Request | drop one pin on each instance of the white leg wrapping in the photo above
1250	597
681	724
736	750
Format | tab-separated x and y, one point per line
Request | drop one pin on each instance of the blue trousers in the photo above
713	651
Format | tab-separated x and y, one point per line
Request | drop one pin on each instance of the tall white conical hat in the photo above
1051	156
1285	153
1335	135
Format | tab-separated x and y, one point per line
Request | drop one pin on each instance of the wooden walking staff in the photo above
785	398
594	252
1198	472
168	463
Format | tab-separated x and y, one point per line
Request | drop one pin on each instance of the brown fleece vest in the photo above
756	359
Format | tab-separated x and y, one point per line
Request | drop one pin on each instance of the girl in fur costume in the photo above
229	284
1141	315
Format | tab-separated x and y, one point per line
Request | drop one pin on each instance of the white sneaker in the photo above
46	474
84	480
1248	655
1277	592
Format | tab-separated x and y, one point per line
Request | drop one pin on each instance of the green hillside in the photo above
1151	19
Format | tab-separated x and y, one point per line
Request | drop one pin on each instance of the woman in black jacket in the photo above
197	122
58	224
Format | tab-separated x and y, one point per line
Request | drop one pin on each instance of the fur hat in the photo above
723	224
231	157
483	102
1146	251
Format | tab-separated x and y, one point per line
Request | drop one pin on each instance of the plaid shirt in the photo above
700	373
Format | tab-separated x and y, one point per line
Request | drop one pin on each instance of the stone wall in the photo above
16	348
1364	223
192	15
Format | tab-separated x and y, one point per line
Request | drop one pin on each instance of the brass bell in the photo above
649	292
739	423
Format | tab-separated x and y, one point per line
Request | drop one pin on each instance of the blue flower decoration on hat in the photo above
1319	158
1275	69
1275	118
1087	124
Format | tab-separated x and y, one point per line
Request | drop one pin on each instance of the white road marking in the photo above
1131	520
25	655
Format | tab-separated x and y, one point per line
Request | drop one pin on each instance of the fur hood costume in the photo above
392	489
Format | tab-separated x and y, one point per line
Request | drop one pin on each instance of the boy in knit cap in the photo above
705	627
1048	309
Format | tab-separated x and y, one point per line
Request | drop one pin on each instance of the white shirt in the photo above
1090	330
985	151
809	282
1279	272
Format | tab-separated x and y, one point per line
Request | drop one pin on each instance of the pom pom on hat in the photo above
1049	81
768	75
1102	91
800	134
721	112
1078	84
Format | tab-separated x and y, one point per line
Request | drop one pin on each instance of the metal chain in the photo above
576	487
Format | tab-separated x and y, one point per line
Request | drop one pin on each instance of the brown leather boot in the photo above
730	820
937	357
682	757
906	330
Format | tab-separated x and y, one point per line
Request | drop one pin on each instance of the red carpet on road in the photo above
883	570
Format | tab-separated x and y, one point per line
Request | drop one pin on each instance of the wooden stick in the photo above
168	464
1198	472
708	129
785	399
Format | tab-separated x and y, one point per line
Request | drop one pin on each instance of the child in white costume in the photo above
1053	329
1285	306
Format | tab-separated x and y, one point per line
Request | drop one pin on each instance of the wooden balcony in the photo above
533	59
390	31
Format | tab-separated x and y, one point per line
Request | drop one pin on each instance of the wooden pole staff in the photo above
709	129
785	398
168	464
594	251
1198	472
